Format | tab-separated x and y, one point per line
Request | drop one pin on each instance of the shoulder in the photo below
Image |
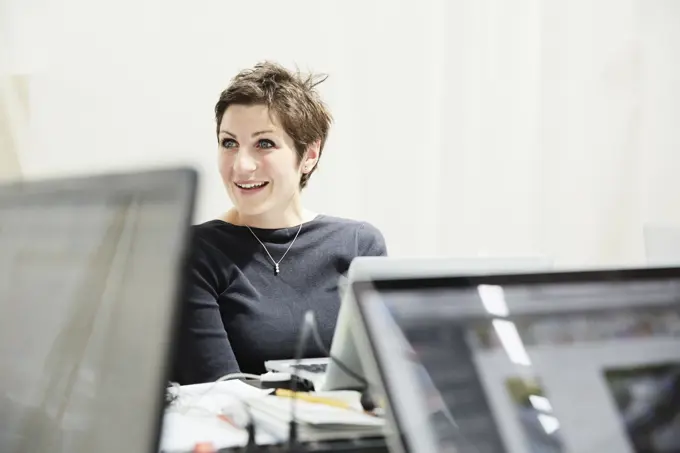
214	241
214	232
205	235
365	237
370	241
208	227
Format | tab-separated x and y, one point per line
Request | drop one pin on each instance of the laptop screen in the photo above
510	365
88	280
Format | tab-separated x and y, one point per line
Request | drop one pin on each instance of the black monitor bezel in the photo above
361	288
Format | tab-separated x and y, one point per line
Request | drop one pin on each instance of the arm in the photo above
204	353
370	241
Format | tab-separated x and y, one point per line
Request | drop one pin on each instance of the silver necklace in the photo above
276	263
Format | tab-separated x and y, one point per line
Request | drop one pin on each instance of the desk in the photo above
370	445
196	416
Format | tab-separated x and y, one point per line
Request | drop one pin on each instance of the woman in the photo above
262	264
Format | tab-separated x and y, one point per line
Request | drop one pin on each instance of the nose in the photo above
244	162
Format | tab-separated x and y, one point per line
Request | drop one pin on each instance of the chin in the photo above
250	209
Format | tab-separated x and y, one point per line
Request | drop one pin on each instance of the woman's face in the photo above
258	162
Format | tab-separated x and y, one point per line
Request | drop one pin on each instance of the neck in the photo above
292	216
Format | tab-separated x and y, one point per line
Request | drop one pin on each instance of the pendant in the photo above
276	269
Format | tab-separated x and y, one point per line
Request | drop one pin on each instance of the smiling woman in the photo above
260	266
261	168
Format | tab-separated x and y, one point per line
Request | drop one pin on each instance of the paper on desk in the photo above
181	432
316	422
313	413
215	396
232	387
193	417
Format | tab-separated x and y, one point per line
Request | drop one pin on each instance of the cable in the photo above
251	444
308	325
229	377
319	343
366	400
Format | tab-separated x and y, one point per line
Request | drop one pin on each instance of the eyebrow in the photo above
255	134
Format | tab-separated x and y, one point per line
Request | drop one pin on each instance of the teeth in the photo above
251	186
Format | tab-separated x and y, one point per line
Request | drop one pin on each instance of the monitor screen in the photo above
512	367
88	278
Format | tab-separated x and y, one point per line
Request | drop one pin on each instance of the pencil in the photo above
313	399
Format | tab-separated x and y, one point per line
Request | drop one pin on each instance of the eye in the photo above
265	144
229	143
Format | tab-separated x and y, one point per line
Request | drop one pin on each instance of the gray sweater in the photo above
239	313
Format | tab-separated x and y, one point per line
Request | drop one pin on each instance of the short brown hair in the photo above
290	95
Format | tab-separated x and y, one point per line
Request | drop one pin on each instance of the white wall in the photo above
13	124
526	127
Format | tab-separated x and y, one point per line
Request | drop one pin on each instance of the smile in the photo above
251	186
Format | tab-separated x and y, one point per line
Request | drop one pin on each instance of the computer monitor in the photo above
368	268
90	273
569	362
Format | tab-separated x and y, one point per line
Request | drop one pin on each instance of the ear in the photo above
311	157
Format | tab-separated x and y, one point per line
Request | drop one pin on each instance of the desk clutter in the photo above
220	414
